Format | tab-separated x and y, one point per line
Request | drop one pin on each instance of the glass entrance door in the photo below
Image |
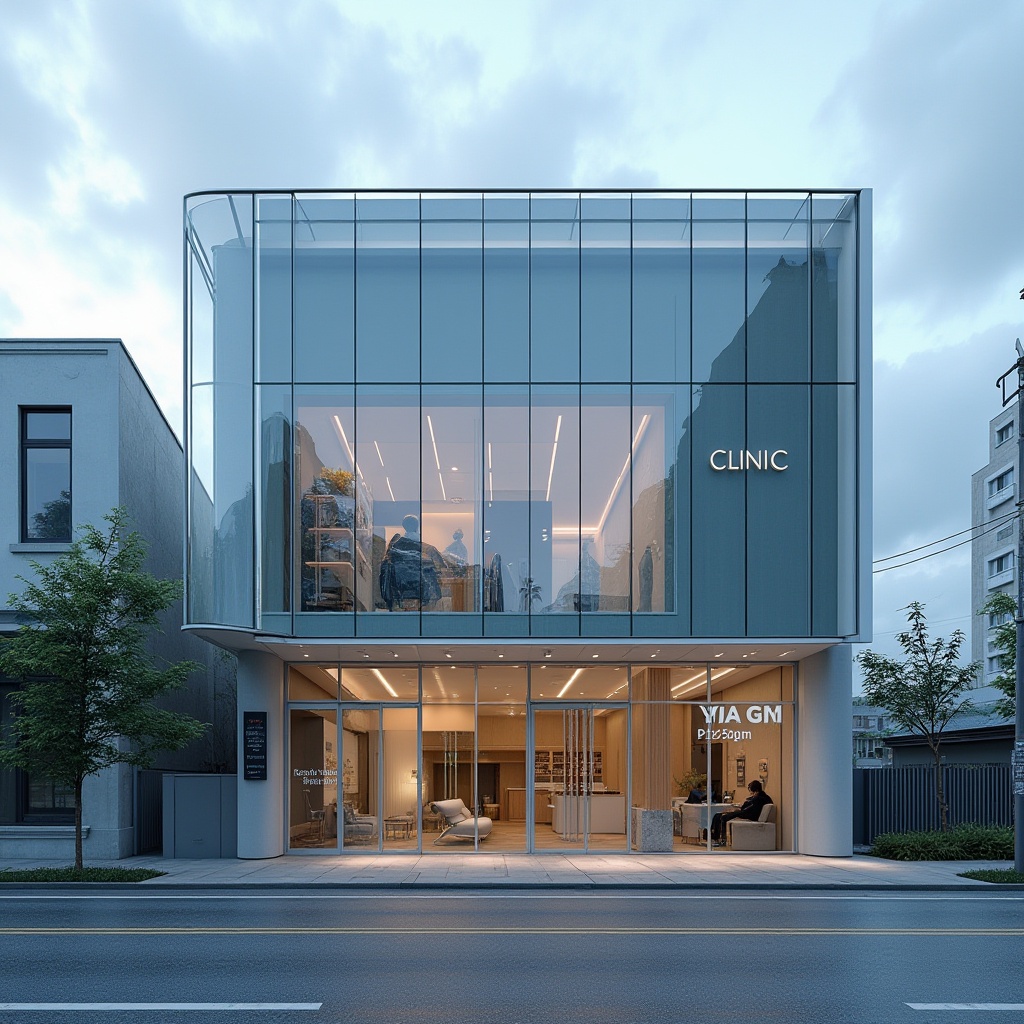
577	752
379	779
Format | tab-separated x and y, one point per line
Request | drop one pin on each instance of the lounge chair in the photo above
459	821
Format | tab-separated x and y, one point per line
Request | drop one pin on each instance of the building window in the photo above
996	619
46	474
1001	563
1000	482
1004	433
27	799
992	666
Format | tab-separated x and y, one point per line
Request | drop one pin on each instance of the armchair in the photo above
359	828
459	821
755	835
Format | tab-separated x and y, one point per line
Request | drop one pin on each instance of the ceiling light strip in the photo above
622	474
572	679
387	686
437	461
554	451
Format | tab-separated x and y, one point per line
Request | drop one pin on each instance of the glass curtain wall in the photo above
510	402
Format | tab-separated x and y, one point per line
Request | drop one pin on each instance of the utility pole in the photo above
1017	758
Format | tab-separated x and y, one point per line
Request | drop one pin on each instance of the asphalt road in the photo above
511	958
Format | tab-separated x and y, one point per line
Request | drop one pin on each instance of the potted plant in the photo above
691	779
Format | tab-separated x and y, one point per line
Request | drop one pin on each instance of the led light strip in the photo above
572	679
437	461
554	450
387	686
622	474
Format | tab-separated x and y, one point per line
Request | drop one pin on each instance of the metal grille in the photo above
903	799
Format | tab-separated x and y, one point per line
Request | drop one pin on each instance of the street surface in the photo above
525	957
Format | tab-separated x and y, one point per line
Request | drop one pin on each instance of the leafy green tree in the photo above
924	692
1004	638
87	681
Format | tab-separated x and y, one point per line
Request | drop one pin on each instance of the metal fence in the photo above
903	799
149	821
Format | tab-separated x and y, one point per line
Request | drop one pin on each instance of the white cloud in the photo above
113	110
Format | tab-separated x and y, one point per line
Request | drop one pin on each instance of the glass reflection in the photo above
327	513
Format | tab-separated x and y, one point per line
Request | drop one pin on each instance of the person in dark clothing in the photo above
697	795
749	811
410	569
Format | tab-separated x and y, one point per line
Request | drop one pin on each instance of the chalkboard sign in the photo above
254	746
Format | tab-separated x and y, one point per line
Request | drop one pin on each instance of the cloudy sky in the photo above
111	110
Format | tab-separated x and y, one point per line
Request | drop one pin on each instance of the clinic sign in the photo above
734	460
720	718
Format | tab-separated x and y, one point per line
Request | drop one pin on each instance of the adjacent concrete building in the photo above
80	433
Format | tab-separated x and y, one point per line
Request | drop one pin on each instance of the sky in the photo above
112	110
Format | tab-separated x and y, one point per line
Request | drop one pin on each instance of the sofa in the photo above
755	835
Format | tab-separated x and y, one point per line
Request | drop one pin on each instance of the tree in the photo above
924	692
87	682
1002	609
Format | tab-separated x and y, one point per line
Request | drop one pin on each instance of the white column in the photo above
261	804
825	754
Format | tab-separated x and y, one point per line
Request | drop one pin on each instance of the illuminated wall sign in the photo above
724	459
723	715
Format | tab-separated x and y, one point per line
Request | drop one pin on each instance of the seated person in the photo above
750	811
697	795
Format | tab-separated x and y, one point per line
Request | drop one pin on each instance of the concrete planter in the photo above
650	830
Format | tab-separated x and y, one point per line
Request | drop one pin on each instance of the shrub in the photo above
962	842
1001	876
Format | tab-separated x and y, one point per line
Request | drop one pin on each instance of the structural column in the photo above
261	803
825	754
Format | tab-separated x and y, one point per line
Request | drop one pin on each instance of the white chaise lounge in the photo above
459	821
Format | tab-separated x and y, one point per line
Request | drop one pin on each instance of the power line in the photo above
921	558
970	529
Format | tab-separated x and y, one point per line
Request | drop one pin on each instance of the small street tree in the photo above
1002	609
87	681
924	692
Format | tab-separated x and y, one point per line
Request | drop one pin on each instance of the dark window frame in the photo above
30	444
16	782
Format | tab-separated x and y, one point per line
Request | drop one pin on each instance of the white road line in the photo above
405	897
27	1007
966	1006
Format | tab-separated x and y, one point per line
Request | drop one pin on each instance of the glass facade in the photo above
543	415
551	756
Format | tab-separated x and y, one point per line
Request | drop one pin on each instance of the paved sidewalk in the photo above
483	870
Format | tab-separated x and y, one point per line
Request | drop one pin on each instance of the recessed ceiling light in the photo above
365	655
447	654
455	469
501	655
305	655
547	654
595	655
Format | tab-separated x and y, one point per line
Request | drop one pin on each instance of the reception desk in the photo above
607	813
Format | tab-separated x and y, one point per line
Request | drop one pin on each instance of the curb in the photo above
483	888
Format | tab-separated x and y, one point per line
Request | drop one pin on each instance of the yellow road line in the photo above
511	931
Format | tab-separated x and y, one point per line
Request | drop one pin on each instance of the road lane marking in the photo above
321	897
26	1007
508	931
966	1006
